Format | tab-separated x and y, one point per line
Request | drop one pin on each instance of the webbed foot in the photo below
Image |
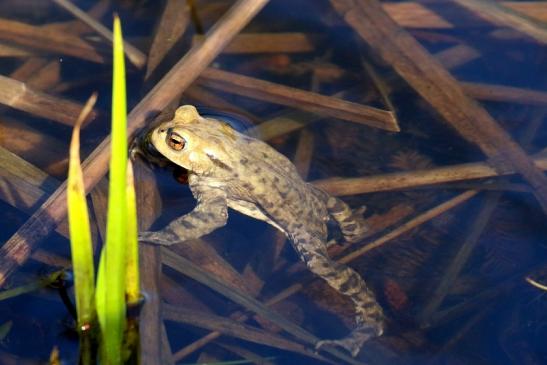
158	238
353	342
347	344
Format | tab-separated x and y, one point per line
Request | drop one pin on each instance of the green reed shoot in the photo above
80	234
111	305
118	275
132	287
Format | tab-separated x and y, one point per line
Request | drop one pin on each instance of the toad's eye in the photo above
175	142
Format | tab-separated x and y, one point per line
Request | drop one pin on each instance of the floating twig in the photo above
232	328
500	14
48	40
534	283
133	54
267	43
415	178
23	141
17	95
171	27
300	99
411	14
506	94
457	55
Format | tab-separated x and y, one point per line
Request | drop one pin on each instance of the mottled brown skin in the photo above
229	169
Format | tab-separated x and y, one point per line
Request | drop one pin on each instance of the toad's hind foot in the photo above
161	238
351	222
353	342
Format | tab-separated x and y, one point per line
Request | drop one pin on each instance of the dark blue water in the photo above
453	288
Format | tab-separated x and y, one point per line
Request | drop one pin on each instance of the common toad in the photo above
229	169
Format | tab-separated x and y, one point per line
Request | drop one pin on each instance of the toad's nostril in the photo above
161	130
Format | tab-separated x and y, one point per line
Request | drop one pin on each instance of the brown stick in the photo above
461	54
7	50
201	95
321	104
267	43
17	95
150	263
412	179
17	249
28	68
533	9
456	56
171	27
147	194
203	254
440	89
232	328
410	14
133	54
77	27
24	141
24	186
47	40
45	78
504	93
499	14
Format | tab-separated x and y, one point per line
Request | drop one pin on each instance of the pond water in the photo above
411	109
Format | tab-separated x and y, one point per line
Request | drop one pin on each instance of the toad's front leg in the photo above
210	213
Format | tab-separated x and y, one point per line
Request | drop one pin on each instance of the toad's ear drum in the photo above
186	114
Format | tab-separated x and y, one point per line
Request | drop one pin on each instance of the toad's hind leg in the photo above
369	314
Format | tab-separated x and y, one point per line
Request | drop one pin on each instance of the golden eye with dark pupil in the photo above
175	141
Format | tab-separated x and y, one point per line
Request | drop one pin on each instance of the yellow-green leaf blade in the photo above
113	319
80	234
132	273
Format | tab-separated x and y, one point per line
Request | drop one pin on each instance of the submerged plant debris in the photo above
432	114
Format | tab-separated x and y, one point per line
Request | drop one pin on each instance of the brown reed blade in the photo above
17	95
410	14
171	27
229	327
297	98
134	55
502	15
416	178
506	94
247	43
47	40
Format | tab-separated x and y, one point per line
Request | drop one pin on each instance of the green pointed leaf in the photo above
113	262
132	273
80	234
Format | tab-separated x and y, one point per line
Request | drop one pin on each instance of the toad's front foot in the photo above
158	238
351	343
